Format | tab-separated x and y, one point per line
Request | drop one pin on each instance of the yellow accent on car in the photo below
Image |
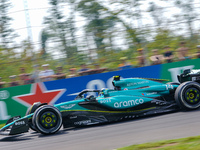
191	95
111	111
30	109
48	119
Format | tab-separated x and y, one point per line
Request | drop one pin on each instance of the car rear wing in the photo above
187	75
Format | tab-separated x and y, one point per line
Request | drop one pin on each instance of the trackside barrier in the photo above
15	100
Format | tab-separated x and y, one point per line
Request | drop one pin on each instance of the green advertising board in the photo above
9	107
171	70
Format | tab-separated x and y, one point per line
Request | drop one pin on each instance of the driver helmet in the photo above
90	97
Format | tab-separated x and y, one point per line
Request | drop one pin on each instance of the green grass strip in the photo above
190	143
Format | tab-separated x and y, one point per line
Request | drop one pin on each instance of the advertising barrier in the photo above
15	100
171	70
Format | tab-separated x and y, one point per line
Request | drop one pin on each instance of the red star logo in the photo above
39	94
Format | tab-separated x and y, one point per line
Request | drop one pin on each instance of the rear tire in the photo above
187	95
47	119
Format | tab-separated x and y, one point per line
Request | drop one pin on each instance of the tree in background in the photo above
60	29
159	40
99	23
187	13
6	32
107	23
44	37
156	13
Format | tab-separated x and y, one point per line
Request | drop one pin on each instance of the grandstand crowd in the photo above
44	72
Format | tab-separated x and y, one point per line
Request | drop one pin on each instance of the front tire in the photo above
187	95
47	119
31	110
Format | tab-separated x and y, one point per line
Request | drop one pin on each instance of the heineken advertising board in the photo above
15	100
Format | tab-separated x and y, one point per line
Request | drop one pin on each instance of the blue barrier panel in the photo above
97	81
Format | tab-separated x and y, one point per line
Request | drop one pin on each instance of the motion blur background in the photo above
69	33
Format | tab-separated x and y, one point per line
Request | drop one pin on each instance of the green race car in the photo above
130	98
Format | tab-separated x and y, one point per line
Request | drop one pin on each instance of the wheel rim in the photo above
48	119
192	96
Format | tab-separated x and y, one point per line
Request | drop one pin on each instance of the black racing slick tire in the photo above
31	110
187	95
47	119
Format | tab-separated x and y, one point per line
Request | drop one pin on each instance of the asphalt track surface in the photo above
110	136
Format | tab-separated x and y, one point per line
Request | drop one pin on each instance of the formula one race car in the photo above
130	98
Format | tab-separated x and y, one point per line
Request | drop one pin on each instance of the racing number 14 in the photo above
168	86
3	111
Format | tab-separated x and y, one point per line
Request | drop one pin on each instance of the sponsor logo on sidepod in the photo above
83	122
68	106
19	123
128	103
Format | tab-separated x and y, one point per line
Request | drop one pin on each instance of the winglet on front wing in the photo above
16	127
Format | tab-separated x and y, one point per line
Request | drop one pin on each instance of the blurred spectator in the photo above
97	69
156	58
72	73
59	73
140	58
46	73
182	51
197	55
22	78
35	73
13	81
124	64
27	79
84	70
97	66
168	55
1	83
22	75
